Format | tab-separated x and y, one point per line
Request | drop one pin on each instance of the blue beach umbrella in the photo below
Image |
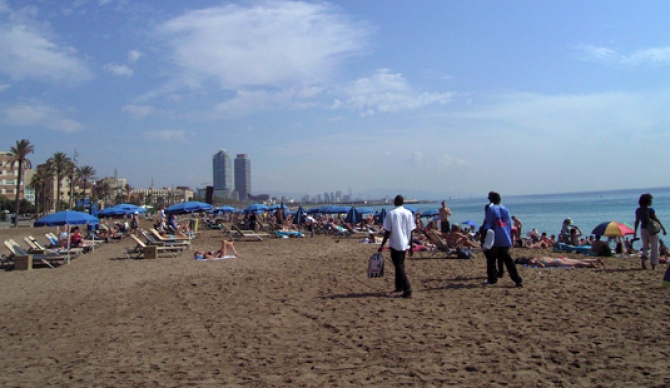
187	207
256	208
67	218
379	218
226	209
300	216
353	216
430	213
470	223
365	210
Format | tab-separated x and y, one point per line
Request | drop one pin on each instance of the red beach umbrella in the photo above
613	229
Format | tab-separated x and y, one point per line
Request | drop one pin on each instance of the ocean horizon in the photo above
546	212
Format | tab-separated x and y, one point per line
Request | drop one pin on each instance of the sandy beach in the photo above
301	312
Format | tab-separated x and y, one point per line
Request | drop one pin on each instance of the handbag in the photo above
653	226
376	266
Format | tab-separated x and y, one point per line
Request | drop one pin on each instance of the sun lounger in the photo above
142	249
172	238
153	240
239	234
24	260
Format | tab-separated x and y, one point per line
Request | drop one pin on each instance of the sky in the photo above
431	99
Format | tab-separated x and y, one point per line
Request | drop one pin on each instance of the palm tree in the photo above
85	173
59	163
18	156
38	182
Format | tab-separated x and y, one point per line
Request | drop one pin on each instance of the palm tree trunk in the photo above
17	205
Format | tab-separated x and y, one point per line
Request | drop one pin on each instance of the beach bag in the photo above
489	239
376	266
464	253
653	227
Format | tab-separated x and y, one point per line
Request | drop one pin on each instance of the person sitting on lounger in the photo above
543	262
456	239
223	252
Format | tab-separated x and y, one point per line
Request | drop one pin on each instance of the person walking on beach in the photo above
445	213
398	226
644	215
498	219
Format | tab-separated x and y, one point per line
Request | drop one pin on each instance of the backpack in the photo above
464	253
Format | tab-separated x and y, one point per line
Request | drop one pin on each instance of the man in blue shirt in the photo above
498	219
398	226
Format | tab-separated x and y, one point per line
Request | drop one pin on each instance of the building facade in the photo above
8	176
222	168
243	176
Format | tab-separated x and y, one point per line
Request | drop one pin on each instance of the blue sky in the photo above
434	99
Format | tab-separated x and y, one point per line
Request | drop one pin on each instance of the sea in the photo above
547	212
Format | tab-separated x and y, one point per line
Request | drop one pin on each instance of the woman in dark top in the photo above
643	215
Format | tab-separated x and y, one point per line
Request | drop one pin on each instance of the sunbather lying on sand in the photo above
223	252
560	262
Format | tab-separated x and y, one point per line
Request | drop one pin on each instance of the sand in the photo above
301	312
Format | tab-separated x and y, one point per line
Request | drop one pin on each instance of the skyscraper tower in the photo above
223	171
243	176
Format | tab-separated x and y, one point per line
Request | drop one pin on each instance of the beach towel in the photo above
218	258
376	266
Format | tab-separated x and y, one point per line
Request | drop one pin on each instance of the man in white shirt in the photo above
398	226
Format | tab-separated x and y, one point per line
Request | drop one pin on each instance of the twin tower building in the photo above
224	177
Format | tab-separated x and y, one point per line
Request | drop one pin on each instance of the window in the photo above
9	181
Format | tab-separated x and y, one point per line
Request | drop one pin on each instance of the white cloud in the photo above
35	115
169	135
121	70
274	43
386	92
26	54
138	111
639	58
134	56
247	102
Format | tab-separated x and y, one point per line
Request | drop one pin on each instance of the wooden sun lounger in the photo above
150	251
239	234
25	261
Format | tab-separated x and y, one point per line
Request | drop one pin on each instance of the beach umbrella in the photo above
226	209
379	218
613	229
122	209
365	210
353	216
257	208
187	207
430	213
300	216
67	217
470	223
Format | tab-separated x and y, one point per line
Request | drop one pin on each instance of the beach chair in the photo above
36	247
239	234
141	249
153	240
24	260
174	240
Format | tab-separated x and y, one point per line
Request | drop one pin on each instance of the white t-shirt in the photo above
400	222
